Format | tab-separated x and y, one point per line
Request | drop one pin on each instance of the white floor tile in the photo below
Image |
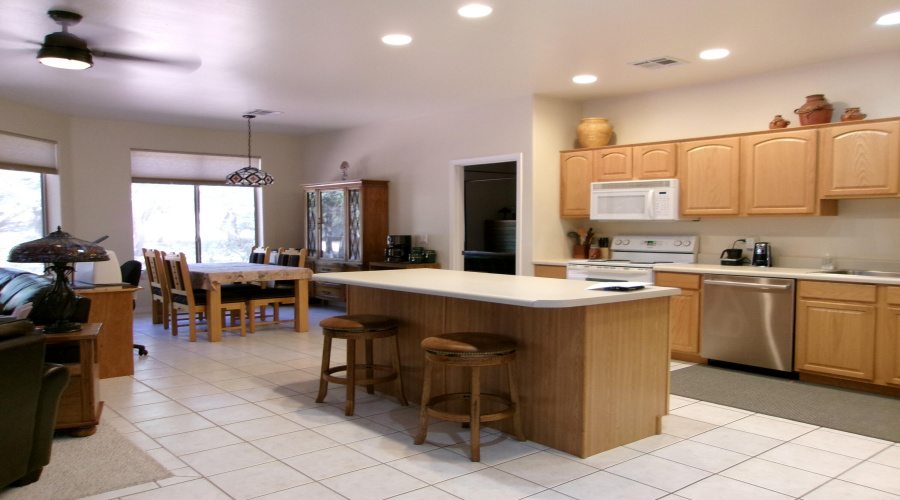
258	480
212	401
606	459
658	472
318	416
683	427
654	442
771	427
374	483
238	413
546	469
742	442
613	487
810	459
354	430
877	476
710	414
330	462
776	477
489	483
701	456
226	459
294	443
842	490
495	449
390	447
200	440
890	456
843	443
198	489
174	425
260	428
719	488
311	491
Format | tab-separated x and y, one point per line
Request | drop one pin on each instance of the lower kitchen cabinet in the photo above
684	313
835	329
887	359
546	271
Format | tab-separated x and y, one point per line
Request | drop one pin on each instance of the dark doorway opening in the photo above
490	218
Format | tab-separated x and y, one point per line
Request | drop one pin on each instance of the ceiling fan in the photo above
67	51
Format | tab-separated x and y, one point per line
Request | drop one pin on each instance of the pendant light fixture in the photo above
249	175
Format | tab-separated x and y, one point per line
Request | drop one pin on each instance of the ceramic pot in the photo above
852	114
593	132
815	110
778	122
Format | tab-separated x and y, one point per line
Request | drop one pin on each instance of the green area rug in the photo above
846	410
81	467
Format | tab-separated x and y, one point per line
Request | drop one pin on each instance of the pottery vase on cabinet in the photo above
815	110
778	122
852	114
593	132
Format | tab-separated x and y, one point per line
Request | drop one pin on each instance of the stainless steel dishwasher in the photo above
749	321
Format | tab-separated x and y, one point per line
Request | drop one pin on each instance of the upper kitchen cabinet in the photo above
709	174
779	174
347	221
575	177
612	164
654	161
860	160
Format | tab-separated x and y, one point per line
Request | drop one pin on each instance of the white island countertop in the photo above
527	291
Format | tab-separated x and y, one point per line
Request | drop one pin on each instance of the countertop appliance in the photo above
398	248
635	200
762	255
732	257
632	258
748	321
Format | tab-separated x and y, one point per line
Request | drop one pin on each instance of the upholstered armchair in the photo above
29	395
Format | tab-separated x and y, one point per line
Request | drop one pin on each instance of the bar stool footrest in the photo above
466	417
360	381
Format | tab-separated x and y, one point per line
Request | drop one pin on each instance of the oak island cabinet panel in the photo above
575	177
684	313
612	164
548	271
835	329
709	174
654	161
346	228
779	173
860	160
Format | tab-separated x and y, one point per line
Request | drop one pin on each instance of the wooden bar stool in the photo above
473	350
352	328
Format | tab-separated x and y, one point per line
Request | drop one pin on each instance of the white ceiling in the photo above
322	63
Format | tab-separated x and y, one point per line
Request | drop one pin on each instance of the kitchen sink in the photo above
854	272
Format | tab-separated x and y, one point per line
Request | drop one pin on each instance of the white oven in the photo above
632	258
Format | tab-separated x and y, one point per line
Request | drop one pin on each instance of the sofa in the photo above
18	288
30	390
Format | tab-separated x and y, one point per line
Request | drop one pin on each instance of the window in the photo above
27	164
180	204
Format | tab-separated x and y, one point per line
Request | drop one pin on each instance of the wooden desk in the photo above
209	276
79	405
113	306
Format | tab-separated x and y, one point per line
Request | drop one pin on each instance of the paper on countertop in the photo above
604	285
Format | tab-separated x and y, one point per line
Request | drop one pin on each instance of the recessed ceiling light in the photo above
889	19
475	10
396	39
584	79
714	54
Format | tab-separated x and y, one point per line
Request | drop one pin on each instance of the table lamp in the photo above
59	249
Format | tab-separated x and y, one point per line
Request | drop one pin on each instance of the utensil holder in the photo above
580	252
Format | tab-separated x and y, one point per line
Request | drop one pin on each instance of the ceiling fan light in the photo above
62	50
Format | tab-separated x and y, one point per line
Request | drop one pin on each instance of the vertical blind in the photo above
30	154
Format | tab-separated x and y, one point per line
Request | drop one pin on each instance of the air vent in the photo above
263	112
659	63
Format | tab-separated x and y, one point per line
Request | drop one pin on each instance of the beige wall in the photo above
415	155
865	234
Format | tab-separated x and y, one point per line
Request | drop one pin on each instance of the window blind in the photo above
30	154
189	168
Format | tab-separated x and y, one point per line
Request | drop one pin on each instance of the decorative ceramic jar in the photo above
778	122
852	114
815	110
593	132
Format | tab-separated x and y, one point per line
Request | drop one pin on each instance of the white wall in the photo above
415	155
865	234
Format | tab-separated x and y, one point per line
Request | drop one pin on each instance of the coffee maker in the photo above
762	255
398	247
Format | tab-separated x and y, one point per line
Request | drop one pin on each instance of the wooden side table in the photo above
112	305
79	406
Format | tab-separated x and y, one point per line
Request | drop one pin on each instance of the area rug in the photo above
846	410
81	467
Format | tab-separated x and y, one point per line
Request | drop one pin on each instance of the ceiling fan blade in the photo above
189	64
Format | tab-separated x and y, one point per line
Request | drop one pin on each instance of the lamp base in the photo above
63	326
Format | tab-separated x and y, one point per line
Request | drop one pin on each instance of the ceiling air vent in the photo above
658	63
262	112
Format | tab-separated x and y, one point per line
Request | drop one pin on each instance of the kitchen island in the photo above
592	366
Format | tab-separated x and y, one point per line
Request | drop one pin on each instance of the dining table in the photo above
211	277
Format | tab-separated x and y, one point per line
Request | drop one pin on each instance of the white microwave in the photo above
635	200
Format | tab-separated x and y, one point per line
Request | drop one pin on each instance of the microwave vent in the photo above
662	183
659	63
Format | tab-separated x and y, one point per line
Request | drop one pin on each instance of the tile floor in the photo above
238	420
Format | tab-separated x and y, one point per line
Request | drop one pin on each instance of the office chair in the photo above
131	274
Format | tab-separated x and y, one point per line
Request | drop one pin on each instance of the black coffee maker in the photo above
398	247
762	255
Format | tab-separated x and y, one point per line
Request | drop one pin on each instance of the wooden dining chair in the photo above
185	299
159	289
280	293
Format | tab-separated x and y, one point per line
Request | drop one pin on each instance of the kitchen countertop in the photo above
527	291
773	272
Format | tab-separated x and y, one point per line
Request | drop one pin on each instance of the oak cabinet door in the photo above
575	174
709	173
654	161
835	338
684	311
612	164
860	160
779	173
